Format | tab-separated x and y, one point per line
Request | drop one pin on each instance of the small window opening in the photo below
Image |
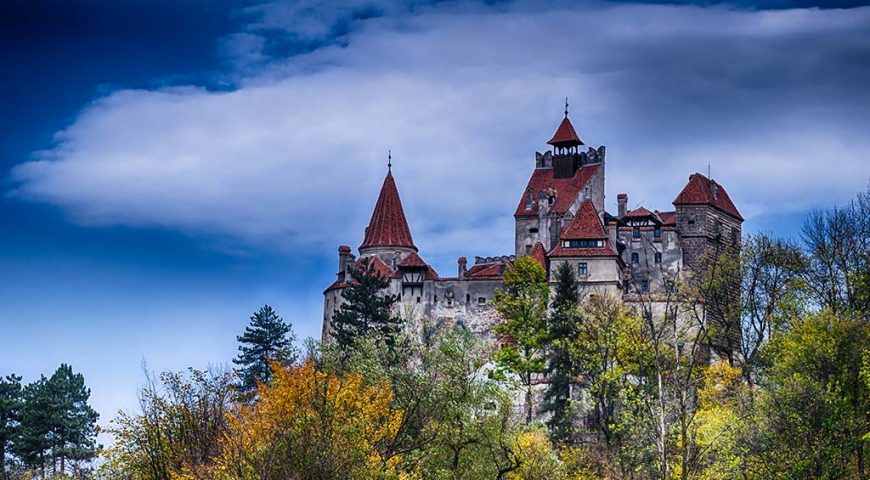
635	232
481	300
657	233
582	269
658	257
467	298
418	299
635	258
533	230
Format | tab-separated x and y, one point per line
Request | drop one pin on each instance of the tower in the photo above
388	235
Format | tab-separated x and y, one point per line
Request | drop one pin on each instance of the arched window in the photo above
635	258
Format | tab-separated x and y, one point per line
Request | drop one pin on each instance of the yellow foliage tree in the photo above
308	424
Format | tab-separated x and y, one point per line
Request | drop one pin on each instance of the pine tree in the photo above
561	367
268	338
10	409
366	311
37	415
73	421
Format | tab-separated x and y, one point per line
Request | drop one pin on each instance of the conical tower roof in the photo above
388	226
565	135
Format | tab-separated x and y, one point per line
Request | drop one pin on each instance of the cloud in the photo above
775	101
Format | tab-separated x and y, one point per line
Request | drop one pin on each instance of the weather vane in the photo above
566	107
389	160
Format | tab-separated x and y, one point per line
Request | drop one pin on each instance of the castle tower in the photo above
388	235
562	180
708	225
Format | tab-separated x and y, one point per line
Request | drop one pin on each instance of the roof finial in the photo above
709	175
566	107
389	160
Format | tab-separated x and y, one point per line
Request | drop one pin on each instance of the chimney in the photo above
462	266
621	202
345	260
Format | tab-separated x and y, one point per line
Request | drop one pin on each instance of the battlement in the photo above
496	259
576	160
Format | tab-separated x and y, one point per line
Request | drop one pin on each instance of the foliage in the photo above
10	410
308	424
180	421
814	409
366	311
56	429
267	338
562	326
522	331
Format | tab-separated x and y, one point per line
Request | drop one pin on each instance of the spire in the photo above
565	137
388	226
389	161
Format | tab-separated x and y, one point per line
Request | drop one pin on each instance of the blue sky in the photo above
166	168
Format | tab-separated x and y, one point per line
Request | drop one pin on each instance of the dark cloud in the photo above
773	100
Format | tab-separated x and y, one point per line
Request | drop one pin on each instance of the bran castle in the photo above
560	217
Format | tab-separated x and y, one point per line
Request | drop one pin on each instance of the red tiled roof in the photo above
566	189
586	224
639	213
565	135
700	191
388	226
486	271
412	260
560	251
539	254
375	264
668	218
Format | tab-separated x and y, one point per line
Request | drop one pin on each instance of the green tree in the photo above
815	409
267	338
562	328
73	429
522	331
367	310
10	407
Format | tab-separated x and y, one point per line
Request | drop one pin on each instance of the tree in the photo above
771	292
10	407
562	328
522	331
308	424
181	419
73	434
837	241
814	410
268	338
367	310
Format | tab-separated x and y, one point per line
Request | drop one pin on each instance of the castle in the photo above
560	217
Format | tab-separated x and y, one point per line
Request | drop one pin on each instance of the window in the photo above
533	230
635	232
467	298
528	249
657	233
583	243
418	299
733	235
582	269
644	286
691	222
658	257
481	300
635	258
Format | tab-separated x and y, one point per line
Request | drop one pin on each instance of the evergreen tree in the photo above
268	338
561	329
73	427
366	311
10	406
37	415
